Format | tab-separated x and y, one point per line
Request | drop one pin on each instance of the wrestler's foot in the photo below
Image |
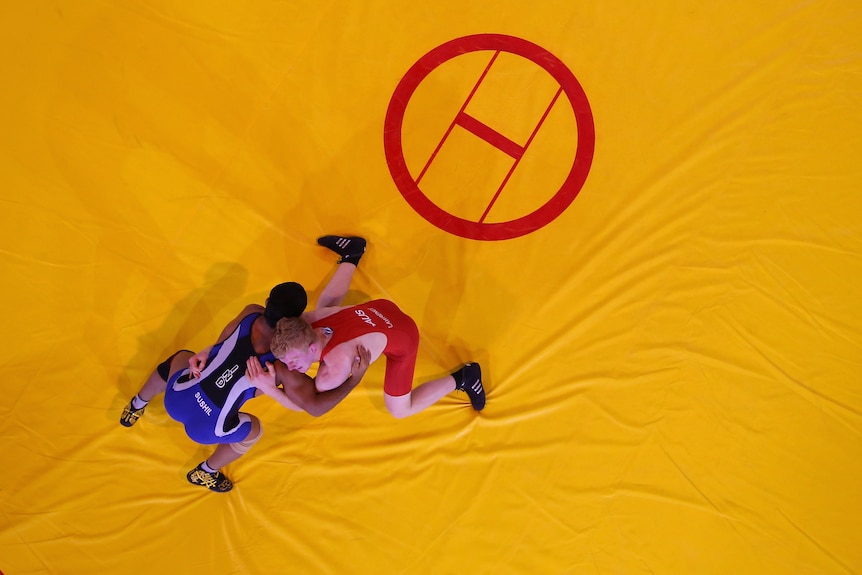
131	415
215	481
469	380
350	248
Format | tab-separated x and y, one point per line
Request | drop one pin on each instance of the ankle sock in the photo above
138	403
207	468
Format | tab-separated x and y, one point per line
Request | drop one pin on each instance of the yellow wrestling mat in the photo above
643	219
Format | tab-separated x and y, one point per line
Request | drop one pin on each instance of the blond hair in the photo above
292	333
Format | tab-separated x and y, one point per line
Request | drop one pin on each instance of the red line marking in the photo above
455	119
490	135
518	159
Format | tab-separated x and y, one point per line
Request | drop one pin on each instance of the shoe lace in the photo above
131	414
202	477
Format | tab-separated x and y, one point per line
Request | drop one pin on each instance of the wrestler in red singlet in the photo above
381	316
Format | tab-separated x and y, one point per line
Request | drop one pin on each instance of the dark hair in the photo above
285	300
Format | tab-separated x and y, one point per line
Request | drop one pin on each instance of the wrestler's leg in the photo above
158	380
337	287
155	384
421	397
229	452
467	379
208	474
350	248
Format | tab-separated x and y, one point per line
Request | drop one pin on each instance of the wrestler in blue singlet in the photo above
209	406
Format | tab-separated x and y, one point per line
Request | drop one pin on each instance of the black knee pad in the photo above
164	369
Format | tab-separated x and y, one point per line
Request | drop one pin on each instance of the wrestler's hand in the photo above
260	377
361	361
198	361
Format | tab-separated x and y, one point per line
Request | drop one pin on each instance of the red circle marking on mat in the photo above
478	230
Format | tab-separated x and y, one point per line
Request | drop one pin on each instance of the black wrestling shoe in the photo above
469	380
350	248
215	481
131	415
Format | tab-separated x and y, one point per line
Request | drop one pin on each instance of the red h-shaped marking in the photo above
490	135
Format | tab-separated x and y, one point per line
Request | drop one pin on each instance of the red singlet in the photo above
380	316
